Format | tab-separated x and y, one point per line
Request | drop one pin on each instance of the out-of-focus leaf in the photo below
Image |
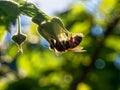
32	29
108	54
75	11
82	27
24	84
113	42
2	33
83	86
30	84
35	62
32	34
12	50
75	14
107	6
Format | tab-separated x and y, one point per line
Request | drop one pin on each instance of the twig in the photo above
96	54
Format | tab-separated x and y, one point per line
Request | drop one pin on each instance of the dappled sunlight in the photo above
50	60
2	34
83	86
113	40
34	63
106	6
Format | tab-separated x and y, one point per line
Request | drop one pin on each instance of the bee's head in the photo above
77	38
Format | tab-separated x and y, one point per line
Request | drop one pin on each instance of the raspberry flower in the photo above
53	30
60	39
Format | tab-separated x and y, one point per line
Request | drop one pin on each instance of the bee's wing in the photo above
77	49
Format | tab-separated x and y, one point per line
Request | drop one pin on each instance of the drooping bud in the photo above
19	39
53	29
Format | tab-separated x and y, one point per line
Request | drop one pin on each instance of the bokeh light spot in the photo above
97	30
83	86
117	62
99	64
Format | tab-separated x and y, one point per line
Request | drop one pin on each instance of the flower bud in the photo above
19	39
53	29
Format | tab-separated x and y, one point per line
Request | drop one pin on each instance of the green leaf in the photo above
31	10
8	13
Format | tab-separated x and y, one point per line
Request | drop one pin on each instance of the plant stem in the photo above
19	25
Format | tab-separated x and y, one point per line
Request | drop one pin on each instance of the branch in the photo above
96	54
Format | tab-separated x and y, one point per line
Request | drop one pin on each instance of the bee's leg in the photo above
52	45
59	46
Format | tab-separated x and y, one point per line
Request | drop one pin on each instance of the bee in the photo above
68	45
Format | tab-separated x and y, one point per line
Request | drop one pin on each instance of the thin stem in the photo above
19	25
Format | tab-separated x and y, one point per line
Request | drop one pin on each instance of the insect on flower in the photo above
68	45
60	39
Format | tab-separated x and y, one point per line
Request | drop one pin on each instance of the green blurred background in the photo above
38	68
